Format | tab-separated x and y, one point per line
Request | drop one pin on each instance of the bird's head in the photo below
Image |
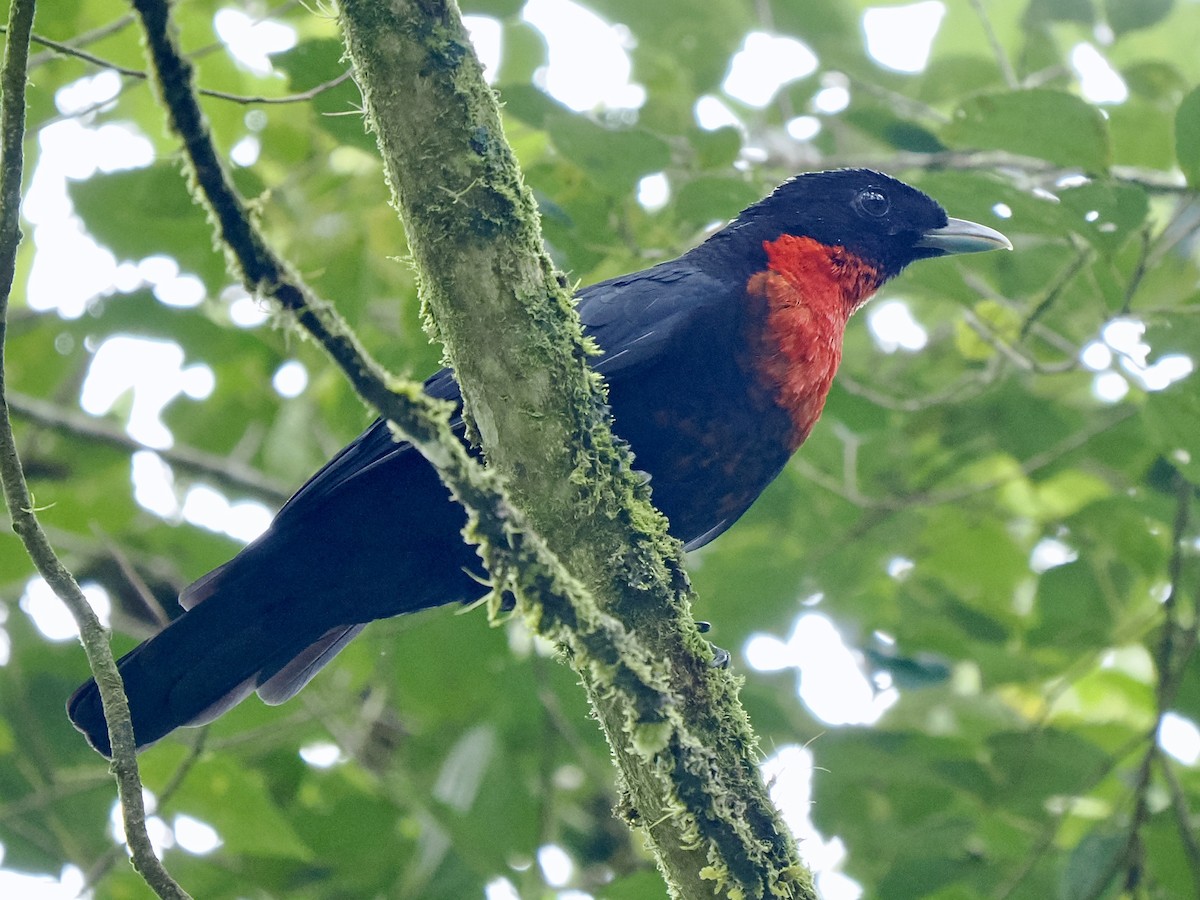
884	222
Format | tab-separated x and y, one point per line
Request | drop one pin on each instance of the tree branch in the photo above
16	491
993	161
680	738
688	765
1002	60
223	470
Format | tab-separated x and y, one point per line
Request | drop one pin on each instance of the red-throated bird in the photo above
718	364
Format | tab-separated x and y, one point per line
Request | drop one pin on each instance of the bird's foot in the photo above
721	657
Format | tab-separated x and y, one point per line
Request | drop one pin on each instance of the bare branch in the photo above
1002	60
16	491
225	471
73	50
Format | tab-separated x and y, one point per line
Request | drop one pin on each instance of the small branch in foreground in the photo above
1183	818
16	491
1172	654
684	743
681	739
63	49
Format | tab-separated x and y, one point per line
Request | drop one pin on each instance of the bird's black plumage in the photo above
374	533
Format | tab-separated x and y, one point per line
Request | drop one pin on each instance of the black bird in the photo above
718	365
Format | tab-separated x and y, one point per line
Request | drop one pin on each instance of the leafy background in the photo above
996	523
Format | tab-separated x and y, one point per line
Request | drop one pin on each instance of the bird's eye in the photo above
872	203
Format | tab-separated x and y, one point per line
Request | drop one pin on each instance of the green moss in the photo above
651	739
613	591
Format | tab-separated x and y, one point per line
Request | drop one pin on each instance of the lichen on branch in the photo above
681	740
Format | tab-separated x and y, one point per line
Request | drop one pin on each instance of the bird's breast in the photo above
798	309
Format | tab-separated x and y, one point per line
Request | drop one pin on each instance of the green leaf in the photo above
616	157
1071	608
1037	765
1108	213
144	212
1130	15
892	129
524	50
998	320
1047	124
716	149
705	200
1041	11
1173	416
1141	134
316	62
1093	859
973	556
235	801
501	9
1065	493
1187	137
1168	859
1154	79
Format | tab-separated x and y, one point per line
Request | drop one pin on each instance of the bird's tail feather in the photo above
288	681
206	662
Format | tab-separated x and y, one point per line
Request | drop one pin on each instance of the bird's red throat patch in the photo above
808	292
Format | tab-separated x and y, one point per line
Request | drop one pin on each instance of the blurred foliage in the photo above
1020	759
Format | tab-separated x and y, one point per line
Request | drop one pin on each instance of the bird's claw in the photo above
721	657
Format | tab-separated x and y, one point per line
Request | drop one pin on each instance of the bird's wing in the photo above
634	317
374	446
631	318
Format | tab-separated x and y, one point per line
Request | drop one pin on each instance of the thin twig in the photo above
1082	256
1045	840
967	386
904	105
82	40
223	470
16	490
1012	353
1131	854
1178	639
1183	817
1139	271
1002	60
260	100
104	864
954	495
993	161
1171	658
134	578
73	50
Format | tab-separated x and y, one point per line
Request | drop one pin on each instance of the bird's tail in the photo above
206	662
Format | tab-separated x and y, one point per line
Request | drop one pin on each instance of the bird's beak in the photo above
961	236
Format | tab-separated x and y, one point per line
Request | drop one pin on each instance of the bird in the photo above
718	364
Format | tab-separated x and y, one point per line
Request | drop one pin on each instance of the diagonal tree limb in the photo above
681	740
683	744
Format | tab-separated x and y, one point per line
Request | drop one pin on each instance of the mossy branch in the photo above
683	744
16	491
